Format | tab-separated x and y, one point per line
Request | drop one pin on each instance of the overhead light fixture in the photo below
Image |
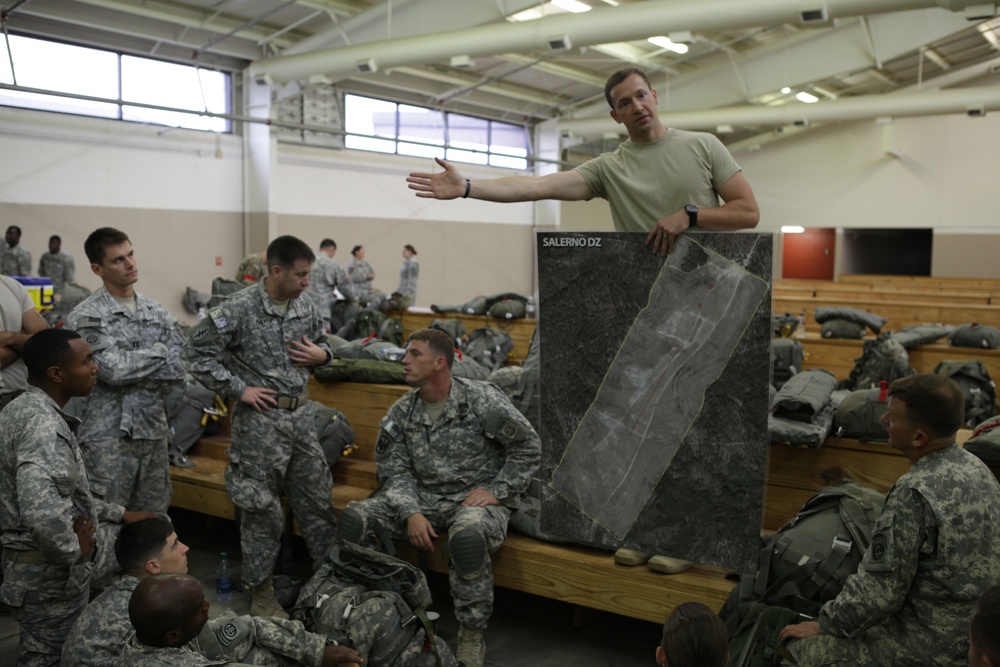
666	43
263	79
786	90
462	61
808	98
559	43
571	6
723	129
681	37
813	13
792	229
613	3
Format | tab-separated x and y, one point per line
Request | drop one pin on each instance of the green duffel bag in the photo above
508	309
361	370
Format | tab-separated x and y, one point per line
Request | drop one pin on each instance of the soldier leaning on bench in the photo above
257	348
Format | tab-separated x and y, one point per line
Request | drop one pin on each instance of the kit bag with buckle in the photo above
376	604
191	409
808	560
976	385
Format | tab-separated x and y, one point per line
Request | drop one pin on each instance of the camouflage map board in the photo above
654	392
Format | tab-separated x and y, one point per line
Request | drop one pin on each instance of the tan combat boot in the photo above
471	647
263	602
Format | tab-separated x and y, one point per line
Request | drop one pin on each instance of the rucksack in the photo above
975	335
455	328
978	389
859	415
883	358
985	441
489	347
466	367
507	309
189	409
862	317
370	348
374	603
367	322
922	334
395	302
840	328
392	330
806	562
784	324
335	435
753	632
787	356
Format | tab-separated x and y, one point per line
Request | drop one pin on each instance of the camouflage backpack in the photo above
454	327
391	330
883	358
859	415
376	604
489	347
977	387
985	441
367	322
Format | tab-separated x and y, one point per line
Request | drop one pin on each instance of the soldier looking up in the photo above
136	343
933	550
273	338
169	613
455	455
151	547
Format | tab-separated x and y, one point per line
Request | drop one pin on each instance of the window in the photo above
387	127
106	75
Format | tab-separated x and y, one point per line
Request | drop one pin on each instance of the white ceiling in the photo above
420	48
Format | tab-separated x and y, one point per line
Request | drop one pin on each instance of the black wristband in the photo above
468	188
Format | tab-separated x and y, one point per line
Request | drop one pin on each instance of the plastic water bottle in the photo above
223	580
800	327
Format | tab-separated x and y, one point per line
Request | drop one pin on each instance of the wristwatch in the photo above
692	212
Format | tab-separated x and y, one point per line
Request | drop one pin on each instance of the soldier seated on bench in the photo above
693	636
169	611
456	455
933	550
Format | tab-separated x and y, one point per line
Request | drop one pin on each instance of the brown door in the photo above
808	255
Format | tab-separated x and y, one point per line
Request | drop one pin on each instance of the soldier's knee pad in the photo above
351	526
468	552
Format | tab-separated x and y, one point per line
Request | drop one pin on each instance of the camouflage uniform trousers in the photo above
45	600
130	472
273	452
472	593
824	650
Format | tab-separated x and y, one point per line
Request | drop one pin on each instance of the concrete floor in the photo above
524	630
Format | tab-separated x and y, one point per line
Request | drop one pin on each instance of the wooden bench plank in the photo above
899	314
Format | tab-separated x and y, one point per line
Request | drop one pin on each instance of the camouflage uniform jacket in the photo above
359	270
137	355
256	336
480	440
230	638
933	553
408	274
102	630
60	268
43	484
325	277
16	262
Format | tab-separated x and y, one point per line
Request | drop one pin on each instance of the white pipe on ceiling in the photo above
626	22
897	105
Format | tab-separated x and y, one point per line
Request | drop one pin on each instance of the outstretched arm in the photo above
450	184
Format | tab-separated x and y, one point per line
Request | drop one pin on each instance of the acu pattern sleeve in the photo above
231	637
204	348
882	582
396	473
117	366
504	424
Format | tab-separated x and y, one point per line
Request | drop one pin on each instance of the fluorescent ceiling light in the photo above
571	6
668	44
792	229
808	98
613	3
786	90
